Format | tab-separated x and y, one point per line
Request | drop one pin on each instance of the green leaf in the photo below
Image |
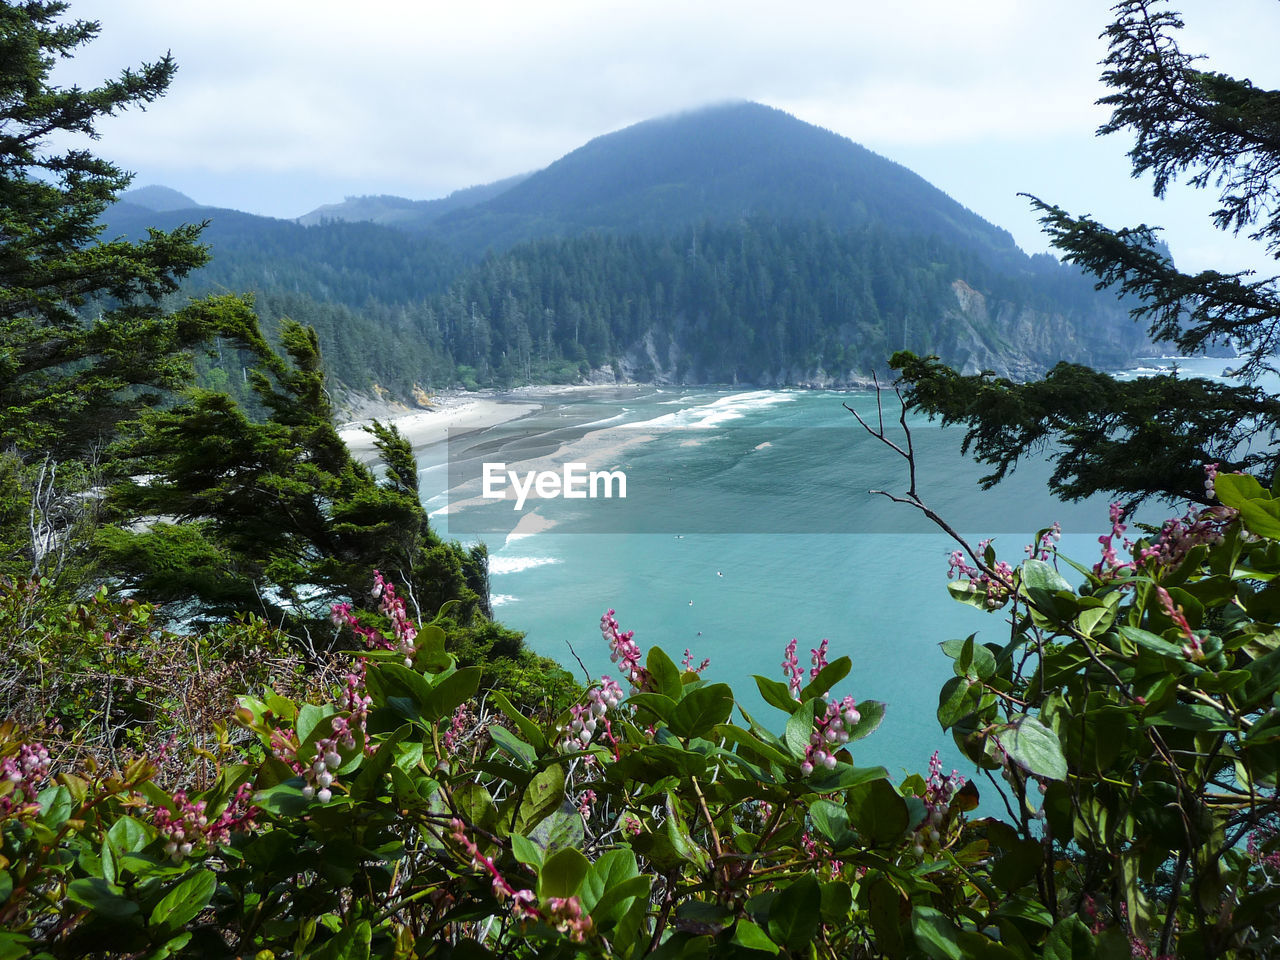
525	850
1033	746
1236	489
956	700
972	660
658	704
476	805
612	868
878	812
837	899
126	835
429	655
559	829
751	744
843	777
832	821
1039	575
351	943
870	715
56	804
936	935
701	710
1190	716
185	900
777	694
528	729
1094	621
747	934
543	796
619	898
681	840
396	682
284	799
1147	639
310	717
1018	865
884	910
105	899
512	745
1261	517
562	873
451	692
968	592
799	729
15	946
795	913
1068	939
664	674
827	678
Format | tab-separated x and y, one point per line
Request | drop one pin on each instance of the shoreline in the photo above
479	410
449	410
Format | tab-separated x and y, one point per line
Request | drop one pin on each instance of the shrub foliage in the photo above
1126	733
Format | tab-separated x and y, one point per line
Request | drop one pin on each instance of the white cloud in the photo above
423	97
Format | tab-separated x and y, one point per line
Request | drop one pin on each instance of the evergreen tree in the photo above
84	341
65	379
1149	437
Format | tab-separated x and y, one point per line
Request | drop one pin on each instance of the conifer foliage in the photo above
1216	132
64	379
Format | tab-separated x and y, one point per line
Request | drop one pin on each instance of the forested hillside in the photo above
729	245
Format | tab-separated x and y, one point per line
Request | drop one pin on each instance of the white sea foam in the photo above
498	599
601	423
500	565
710	415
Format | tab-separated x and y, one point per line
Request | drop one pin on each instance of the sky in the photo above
280	106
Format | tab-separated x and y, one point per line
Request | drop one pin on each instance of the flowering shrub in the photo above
1127	729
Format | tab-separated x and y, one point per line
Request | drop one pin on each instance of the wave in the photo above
711	415
500	565
600	423
498	599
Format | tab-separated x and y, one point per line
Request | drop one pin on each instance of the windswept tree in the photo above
260	508
84	341
1149	437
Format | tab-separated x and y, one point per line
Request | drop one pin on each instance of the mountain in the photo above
719	164
162	199
401	212
734	244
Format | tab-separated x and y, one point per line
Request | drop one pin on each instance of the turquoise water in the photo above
718	579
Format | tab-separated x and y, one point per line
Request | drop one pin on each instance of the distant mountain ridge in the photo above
395	211
158	198
733	244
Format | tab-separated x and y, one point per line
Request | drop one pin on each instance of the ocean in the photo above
747	523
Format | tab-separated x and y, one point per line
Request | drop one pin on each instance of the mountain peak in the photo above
159	198
718	163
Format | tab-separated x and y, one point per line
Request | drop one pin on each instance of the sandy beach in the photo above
429	427
451	411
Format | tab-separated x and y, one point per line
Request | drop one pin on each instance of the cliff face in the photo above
972	333
1021	342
